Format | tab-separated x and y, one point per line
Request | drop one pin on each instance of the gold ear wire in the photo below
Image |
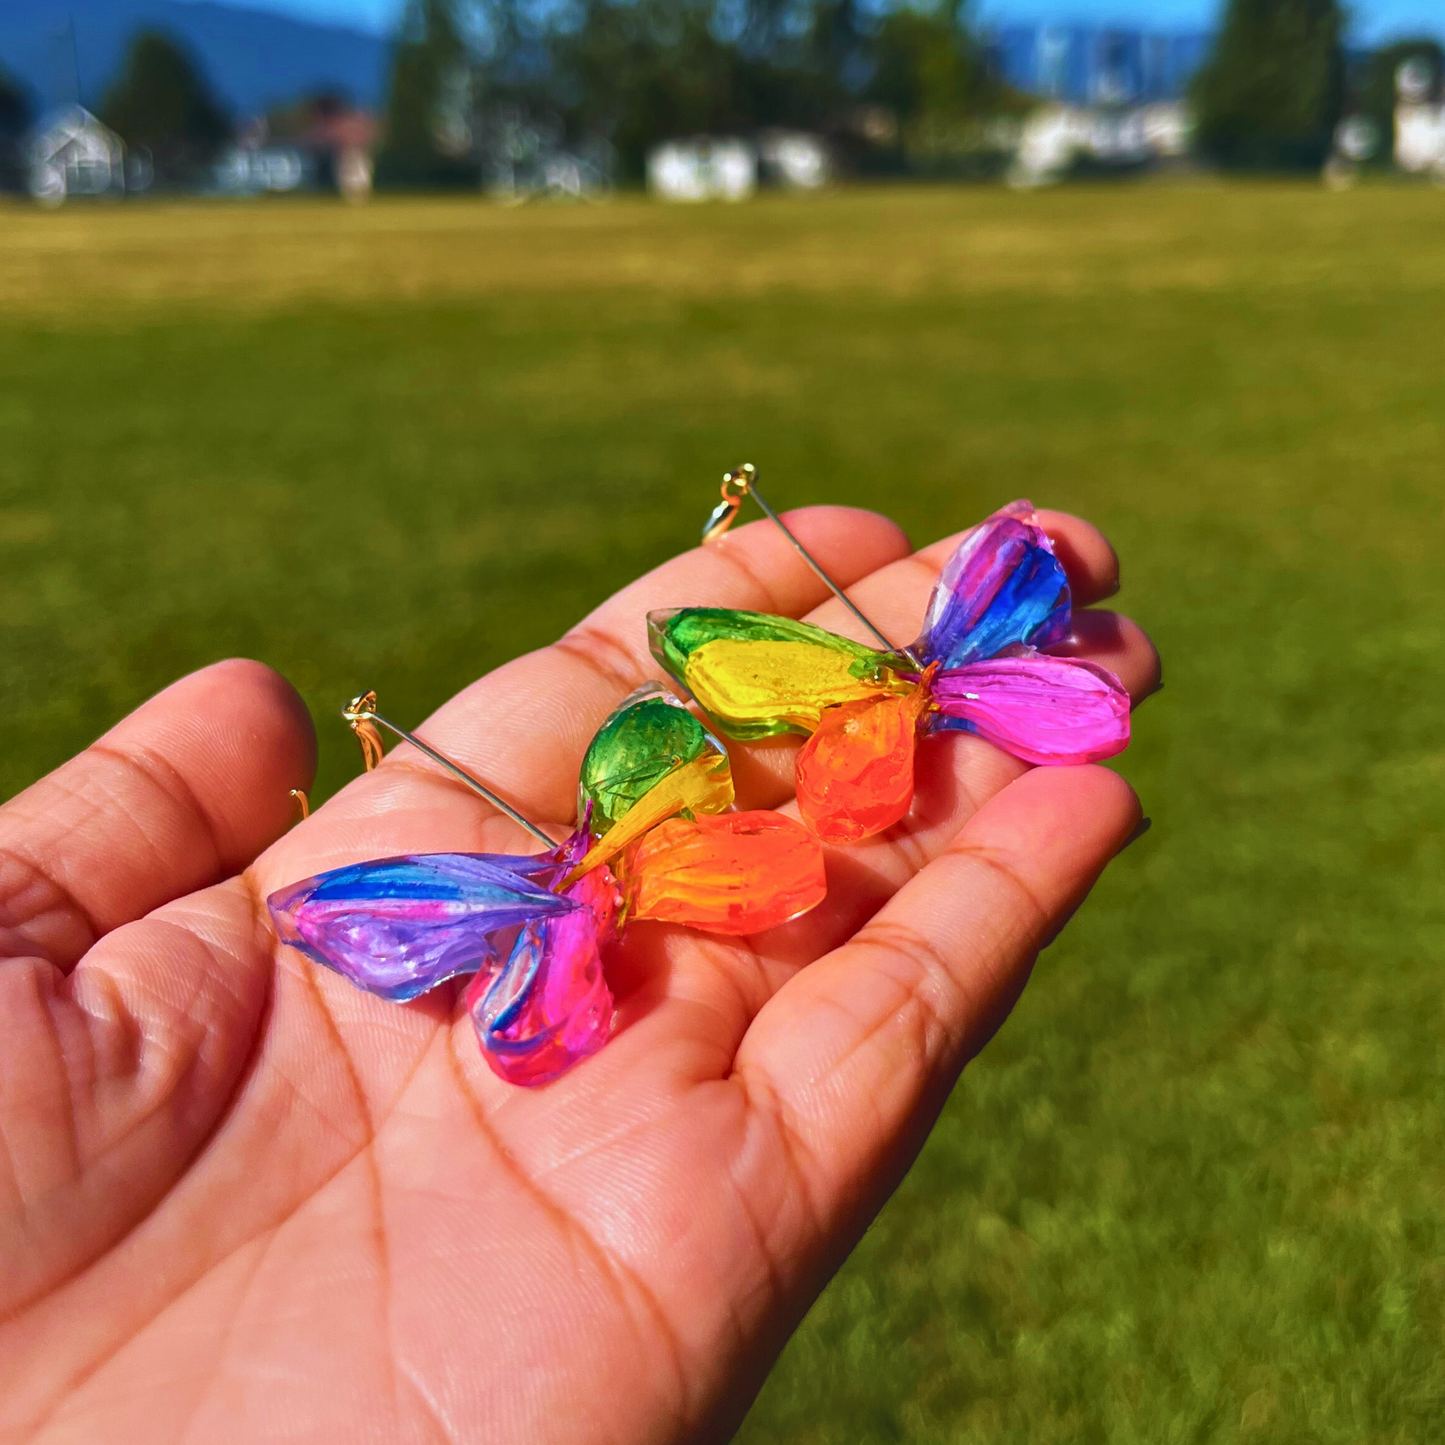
303	803
736	484
359	712
743	482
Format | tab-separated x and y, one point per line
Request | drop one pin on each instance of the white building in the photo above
254	170
794	159
73	154
703	169
1419	120
1054	137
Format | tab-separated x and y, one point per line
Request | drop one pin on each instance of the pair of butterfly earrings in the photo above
654	837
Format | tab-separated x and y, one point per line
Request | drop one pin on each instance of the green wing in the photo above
650	737
756	675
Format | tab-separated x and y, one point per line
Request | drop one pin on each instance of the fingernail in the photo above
1140	828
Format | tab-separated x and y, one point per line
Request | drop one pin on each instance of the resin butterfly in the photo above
652	841
977	668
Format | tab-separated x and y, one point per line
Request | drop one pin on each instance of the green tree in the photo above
162	102
642	71
427	142
16	110
1272	92
16	113
928	71
637	72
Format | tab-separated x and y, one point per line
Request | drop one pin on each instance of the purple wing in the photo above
399	926
1001	588
1041	709
550	1007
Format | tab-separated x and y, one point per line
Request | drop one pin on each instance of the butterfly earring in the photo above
977	667
653	840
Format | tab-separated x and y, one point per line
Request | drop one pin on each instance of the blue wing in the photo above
1003	587
397	927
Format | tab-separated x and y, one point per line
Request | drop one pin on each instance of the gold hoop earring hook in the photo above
743	482
736	485
363	717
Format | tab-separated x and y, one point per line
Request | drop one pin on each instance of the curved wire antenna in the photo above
743	482
363	717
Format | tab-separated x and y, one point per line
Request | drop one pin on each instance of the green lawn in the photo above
1195	1189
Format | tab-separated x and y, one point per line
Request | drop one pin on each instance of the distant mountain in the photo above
252	58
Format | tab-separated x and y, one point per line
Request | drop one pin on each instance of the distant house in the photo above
1056	137
343	138
1419	120
705	168
324	144
73	154
794	159
253	169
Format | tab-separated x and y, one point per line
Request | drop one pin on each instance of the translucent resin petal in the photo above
757	675
1042	709
399	926
704	785
651	761
1002	587
855	774
651	734
738	873
550	1006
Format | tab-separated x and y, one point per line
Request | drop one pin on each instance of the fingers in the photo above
1089	562
895	598
184	792
853	1057
1118	643
955	774
110	1078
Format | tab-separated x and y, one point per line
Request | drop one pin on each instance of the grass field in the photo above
1195	1190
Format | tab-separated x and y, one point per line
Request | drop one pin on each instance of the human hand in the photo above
241	1200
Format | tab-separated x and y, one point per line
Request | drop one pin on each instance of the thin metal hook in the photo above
302	802
743	482
361	713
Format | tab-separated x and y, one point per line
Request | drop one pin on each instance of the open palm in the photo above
241	1200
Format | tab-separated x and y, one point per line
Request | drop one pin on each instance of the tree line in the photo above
906	88
638	71
903	84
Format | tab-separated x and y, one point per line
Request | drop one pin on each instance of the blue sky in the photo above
1374	19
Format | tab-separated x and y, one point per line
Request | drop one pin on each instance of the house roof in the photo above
72	132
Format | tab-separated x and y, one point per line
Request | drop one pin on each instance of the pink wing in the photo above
1041	709
550	1006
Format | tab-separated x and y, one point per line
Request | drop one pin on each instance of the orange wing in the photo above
855	774
726	873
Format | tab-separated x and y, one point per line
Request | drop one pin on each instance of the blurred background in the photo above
375	341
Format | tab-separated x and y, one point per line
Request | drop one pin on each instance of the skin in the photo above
241	1200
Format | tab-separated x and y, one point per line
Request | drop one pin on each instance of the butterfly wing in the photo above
756	675
855	774
651	760
550	1006
1002	587
1041	709
397	927
736	874
651	736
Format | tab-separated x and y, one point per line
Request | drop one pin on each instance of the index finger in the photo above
1089	561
